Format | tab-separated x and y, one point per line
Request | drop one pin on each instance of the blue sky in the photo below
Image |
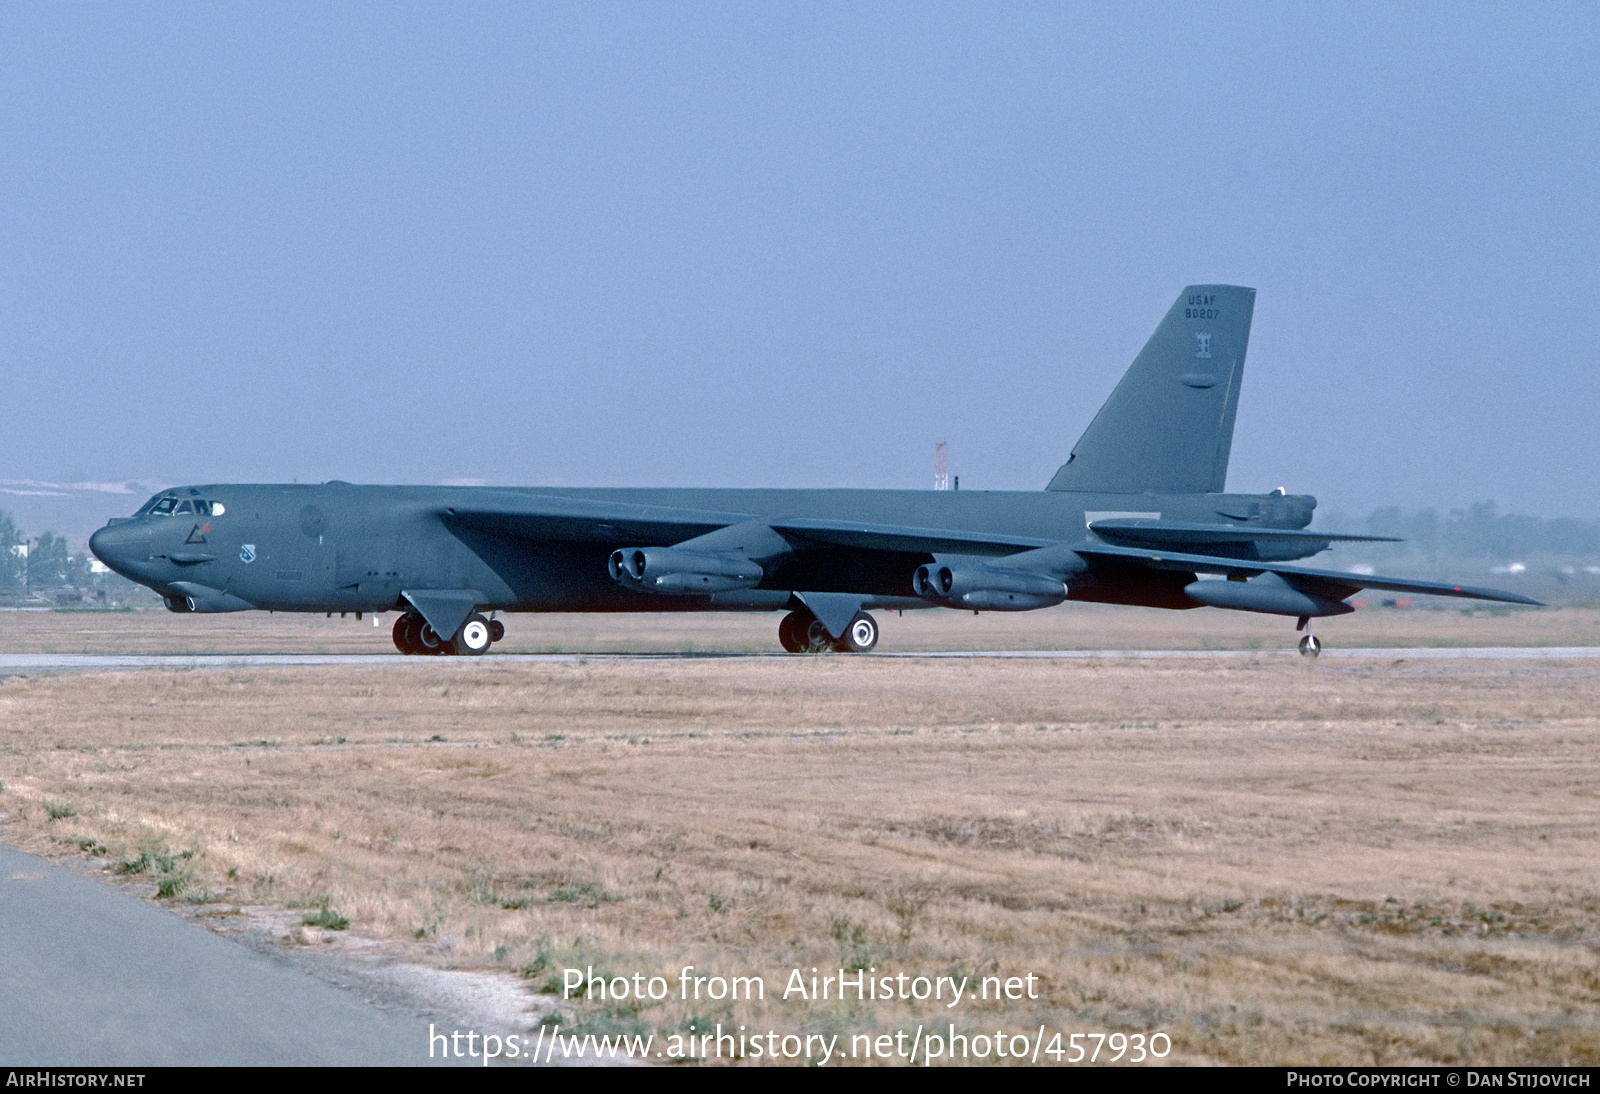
793	245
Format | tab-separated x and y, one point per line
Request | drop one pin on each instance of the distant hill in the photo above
71	509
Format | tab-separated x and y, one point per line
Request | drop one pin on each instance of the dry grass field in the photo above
1270	861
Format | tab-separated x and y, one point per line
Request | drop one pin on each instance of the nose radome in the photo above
120	544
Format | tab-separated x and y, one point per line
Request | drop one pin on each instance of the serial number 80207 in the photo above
1115	1045
1201	313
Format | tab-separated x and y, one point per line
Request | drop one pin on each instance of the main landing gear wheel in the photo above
802	632
1310	646
860	636
497	630
408	635
791	632
428	640
402	634
474	636
815	637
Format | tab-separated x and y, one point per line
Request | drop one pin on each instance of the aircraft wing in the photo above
890	537
1333	584
542	517
550	517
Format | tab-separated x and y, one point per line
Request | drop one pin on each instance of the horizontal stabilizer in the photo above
1165	533
1234	541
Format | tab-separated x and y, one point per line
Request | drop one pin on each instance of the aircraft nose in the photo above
120	545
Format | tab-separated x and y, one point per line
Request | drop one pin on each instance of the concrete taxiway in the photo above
24	664
94	976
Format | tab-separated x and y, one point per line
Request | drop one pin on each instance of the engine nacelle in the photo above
669	571
987	588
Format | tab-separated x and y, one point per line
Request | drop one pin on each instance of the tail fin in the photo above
1168	426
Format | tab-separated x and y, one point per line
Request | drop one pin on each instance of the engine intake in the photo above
669	571
987	588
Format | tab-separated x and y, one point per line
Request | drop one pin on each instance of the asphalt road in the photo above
93	976
21	664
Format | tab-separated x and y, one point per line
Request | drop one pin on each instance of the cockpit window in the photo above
167	505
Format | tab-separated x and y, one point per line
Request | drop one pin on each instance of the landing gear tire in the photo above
474	637
408	635
429	642
814	637
402	640
860	636
802	632
497	630
1310	646
791	632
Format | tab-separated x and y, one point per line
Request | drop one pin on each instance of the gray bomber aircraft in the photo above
1137	515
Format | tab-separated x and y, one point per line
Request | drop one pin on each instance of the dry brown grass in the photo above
1273	862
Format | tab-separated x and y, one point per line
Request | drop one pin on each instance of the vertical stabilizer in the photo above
1168	426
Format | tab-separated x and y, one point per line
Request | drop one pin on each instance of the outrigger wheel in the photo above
1309	646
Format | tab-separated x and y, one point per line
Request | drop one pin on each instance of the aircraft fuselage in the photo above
340	547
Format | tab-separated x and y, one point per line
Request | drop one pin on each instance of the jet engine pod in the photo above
670	571
987	588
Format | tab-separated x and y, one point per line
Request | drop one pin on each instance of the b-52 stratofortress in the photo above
1137	515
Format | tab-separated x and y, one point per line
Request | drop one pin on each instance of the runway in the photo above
27	664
